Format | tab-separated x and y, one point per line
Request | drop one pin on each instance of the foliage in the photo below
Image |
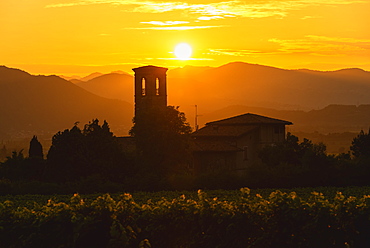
162	138
35	150
292	152
293	164
77	153
243	219
14	166
17	167
92	160
361	146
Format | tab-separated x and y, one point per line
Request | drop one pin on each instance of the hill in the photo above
315	101
330	119
334	125
301	96
112	85
36	105
246	84
256	85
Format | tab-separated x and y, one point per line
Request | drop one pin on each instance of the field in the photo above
227	195
305	217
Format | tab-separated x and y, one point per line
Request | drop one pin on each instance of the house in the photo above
229	144
232	144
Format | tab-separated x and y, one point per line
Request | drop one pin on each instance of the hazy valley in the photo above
318	103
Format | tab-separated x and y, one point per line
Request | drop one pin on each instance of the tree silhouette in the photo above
35	150
77	153
294	163
162	138
360	147
14	166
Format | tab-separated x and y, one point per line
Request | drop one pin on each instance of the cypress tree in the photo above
35	150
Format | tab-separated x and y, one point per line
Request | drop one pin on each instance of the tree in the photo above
162	138
294	153
13	167
360	150
295	163
35	150
94	150
63	157
360	147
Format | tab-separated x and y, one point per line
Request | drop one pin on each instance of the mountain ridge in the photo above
37	103
47	104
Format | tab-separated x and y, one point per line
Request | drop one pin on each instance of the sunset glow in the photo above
84	36
183	51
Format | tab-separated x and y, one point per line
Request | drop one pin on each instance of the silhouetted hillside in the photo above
51	103
334	125
47	104
255	85
79	78
331	119
241	83
113	85
91	76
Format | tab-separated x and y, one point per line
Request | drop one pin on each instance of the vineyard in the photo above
322	217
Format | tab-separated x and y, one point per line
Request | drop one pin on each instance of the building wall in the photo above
249	144
270	134
150	88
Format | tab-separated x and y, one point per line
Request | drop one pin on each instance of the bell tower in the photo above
150	87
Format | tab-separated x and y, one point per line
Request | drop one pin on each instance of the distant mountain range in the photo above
330	119
36	105
301	96
256	85
113	85
334	101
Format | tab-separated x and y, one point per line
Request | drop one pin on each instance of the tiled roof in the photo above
223	130
249	119
213	146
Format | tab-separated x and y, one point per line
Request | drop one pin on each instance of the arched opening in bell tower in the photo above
150	88
157	86
143	89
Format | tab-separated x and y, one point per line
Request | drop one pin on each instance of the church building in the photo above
230	144
150	87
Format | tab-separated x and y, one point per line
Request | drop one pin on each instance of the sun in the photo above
183	51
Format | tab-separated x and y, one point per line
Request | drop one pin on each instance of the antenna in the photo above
196	118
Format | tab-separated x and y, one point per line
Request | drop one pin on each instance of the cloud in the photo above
166	23
233	52
177	27
216	10
322	45
337	39
207	18
310	17
202	59
172	25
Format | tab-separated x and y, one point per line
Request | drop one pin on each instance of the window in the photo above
143	92
157	86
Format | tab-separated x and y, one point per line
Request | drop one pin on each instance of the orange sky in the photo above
78	37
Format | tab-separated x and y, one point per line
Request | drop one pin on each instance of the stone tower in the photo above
150	87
